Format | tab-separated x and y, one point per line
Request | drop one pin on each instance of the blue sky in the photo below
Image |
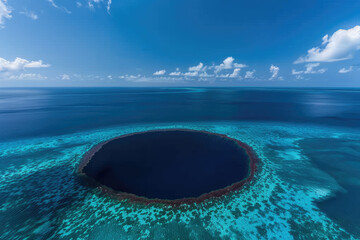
179	43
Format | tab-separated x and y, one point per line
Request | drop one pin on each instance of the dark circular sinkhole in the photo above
169	164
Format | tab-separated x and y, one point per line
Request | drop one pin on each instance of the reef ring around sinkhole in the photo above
169	166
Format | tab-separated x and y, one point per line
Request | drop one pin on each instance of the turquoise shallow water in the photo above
41	196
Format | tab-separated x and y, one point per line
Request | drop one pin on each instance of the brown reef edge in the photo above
253	161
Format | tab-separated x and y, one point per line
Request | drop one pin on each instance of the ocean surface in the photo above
54	111
308	140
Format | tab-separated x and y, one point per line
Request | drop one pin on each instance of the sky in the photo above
141	43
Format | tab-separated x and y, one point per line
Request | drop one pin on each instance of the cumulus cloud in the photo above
5	12
310	69
27	76
130	76
294	72
249	74
191	74
108	3
152	79
240	65
30	14
342	45
235	73
228	63
53	3
205	75
175	74
274	70
197	68
108	6
194	70
20	63
223	75
159	73
59	7
65	77
202	72
346	70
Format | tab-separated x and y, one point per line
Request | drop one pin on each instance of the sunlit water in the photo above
308	185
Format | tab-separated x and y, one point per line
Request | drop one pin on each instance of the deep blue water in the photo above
53	111
308	139
169	164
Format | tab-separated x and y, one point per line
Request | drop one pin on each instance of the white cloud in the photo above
5	12
200	70
144	79
65	77
53	3
78	4
20	63
346	70
175	74
30	14
129	76
325	39
108	6
194	71
274	70
197	68
74	77
108	3
205	75
58	7
310	69
191	74
340	46
27	76
239	65
228	63
250	74
294	72
236	73
159	73
90	5
223	75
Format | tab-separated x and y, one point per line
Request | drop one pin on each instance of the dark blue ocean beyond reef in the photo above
47	112
308	141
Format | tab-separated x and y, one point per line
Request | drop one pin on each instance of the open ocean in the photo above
308	141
